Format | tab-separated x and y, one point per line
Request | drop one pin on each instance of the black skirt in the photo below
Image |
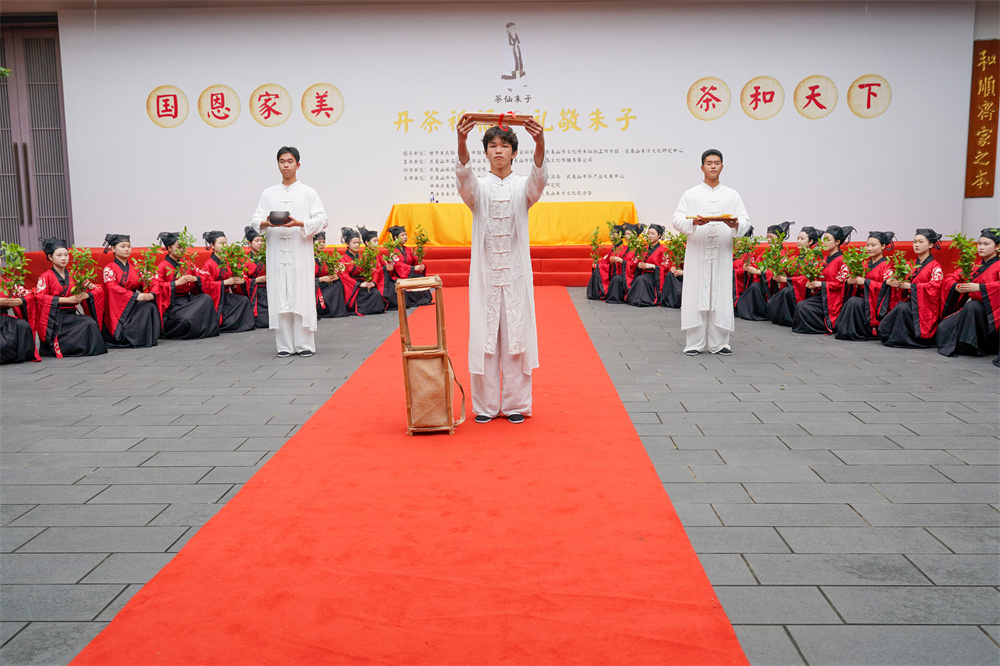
673	289
261	319
389	293
897	329
417	298
17	341
854	322
595	288
752	303
781	307
810	317
334	304
642	293
616	289
967	332
138	327
237	314
369	301
190	317
79	335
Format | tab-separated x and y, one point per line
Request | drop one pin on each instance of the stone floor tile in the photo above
969	539
119	602
828	515
736	540
701	493
697	515
103	540
970	473
959	569
162	494
767	645
56	603
940	493
883	457
776	605
895	645
777	457
880	474
128	568
49	642
838	569
32	568
915	605
860	540
725	569
44	475
929	515
204	459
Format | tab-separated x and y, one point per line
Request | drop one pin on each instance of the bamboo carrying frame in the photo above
427	371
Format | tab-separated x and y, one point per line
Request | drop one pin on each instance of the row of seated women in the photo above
927	309
181	301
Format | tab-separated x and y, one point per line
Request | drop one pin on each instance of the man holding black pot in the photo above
288	216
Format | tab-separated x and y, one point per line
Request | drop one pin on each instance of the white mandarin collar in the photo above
497	179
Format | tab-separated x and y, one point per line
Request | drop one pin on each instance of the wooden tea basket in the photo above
427	371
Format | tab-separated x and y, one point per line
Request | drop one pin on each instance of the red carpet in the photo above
550	542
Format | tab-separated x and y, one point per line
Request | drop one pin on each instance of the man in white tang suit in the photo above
707	299
291	291
503	344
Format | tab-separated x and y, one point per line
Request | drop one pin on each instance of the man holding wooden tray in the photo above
503	344
711	215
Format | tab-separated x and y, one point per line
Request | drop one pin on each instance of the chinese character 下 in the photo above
707	98
871	93
267	101
166	106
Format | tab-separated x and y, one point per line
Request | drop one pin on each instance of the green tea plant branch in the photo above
743	245
82	269
145	265
332	260
185	263
14	270
772	259
421	239
810	263
233	256
856	260
595	245
368	261
968	252
901	268
676	245
638	245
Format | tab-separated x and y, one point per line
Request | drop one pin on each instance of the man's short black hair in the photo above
711	151
294	152
505	135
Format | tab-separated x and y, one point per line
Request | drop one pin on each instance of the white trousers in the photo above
707	334
292	336
503	388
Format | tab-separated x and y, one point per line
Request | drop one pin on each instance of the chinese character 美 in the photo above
166	106
595	120
321	105
984	136
985	60
707	99
871	93
403	118
757	98
980	179
218	108
267	101
987	87
986	111
981	160
567	120
813	98
625	118
431	122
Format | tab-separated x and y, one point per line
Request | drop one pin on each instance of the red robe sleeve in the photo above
119	293
739	274
25	311
835	275
877	297
604	270
926	293
210	279
989	293
405	262
349	276
799	285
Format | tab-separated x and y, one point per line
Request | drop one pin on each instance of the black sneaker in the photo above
515	418
691	352
284	354
482	418
306	353
725	351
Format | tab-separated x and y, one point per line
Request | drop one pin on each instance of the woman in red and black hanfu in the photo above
254	284
752	302
618	282
792	289
130	316
363	298
406	265
235	311
647	273
184	297
62	329
742	278
17	340
606	267
818	315
861	314
973	326
916	303
330	301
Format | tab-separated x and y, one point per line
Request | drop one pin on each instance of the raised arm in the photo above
468	184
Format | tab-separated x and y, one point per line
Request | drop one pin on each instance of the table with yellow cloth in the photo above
550	222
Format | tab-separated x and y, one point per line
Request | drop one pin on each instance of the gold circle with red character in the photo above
322	104
869	96
762	97
219	105
815	97
270	105
167	106
708	98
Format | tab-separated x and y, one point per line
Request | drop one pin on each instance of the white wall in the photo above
901	170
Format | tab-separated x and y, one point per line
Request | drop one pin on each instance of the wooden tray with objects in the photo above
715	218
503	119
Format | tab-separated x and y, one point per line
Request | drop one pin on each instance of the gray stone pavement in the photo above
843	497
